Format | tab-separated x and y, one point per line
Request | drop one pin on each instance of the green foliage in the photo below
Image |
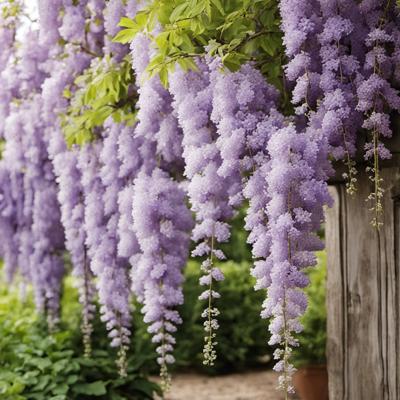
35	365
236	30
103	90
313	338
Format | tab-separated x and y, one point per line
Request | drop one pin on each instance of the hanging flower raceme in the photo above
47	264
297	193
47	232
8	76
241	102
157	124
101	219
208	192
113	12
22	200
13	162
337	115
41	211
158	142
70	197
40	236
130	163
128	154
8	224
256	192
65	64
301	24
376	96
162	223
9	20
114	280
72	28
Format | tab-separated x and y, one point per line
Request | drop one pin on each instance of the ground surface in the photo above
258	385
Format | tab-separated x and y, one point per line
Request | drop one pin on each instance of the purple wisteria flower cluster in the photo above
162	223
208	191
342	55
298	191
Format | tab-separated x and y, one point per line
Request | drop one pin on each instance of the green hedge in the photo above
242	336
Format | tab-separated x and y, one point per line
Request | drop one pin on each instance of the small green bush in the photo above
36	365
242	336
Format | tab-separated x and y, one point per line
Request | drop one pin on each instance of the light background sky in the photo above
32	11
32	6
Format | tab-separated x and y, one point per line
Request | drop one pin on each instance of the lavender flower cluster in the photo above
342	60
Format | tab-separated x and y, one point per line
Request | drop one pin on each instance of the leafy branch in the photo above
104	90
238	31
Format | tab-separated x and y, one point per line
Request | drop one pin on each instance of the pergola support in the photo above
363	293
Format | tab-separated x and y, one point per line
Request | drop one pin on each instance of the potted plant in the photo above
311	377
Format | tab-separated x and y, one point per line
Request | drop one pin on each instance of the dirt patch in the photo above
258	385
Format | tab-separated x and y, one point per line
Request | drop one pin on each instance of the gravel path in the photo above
258	385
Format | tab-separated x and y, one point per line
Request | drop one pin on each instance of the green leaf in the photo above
115	396
44	380
82	137
155	62
268	18
178	12
176	39
162	40
90	93
271	44
187	44
30	377
208	8
61	389
197	27
198	8
97	388
16	388
41	363
145	386
164	76
142	18
127	23
125	36
232	61
218	4
67	93
188	64
72	379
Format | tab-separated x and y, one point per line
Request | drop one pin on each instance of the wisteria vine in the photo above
108	164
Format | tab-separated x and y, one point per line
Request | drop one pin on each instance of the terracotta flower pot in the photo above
311	382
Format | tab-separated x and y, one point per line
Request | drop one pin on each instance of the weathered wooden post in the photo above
363	292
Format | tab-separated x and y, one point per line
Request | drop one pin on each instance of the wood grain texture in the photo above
363	297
